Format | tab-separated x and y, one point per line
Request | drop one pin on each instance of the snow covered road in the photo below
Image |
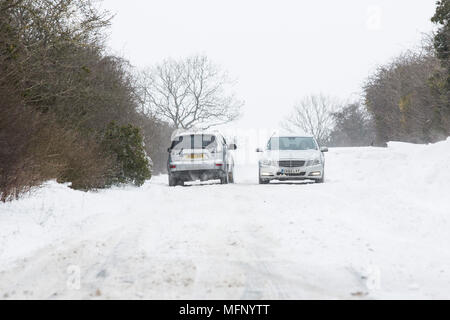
378	228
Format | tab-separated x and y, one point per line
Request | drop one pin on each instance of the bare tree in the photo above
190	92
313	115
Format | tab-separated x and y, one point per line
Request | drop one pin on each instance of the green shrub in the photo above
125	144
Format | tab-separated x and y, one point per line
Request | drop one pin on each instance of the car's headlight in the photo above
268	163
313	162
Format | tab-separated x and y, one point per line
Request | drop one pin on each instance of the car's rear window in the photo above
194	141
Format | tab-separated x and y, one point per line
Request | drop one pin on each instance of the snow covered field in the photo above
378	228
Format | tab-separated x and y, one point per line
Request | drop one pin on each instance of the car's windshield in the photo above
194	141
291	143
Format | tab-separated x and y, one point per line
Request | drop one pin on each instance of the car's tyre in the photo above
263	181
173	181
321	180
231	176
224	179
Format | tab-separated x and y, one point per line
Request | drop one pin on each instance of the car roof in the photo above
181	132
292	136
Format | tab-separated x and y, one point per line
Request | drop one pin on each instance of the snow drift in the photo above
378	228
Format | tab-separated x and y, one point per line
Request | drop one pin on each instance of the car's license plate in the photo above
194	156
291	171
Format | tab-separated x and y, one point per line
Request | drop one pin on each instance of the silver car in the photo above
200	156
292	158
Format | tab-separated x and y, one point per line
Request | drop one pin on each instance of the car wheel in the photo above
172	181
231	177
263	181
322	180
224	178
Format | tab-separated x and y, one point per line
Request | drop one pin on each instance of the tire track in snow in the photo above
261	282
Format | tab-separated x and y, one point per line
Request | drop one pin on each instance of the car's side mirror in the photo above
259	150
324	149
232	146
169	150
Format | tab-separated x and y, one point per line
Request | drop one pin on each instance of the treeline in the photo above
405	100
68	110
352	126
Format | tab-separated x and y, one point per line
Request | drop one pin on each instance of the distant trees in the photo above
190	92
353	127
441	39
332	123
409	99
402	101
313	115
157	139
400	98
441	79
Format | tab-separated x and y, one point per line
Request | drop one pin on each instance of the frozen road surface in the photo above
378	228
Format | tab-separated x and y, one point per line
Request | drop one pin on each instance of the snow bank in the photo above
378	228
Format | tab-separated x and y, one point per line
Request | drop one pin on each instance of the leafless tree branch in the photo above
190	92
313	115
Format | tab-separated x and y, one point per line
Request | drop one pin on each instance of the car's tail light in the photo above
172	166
219	164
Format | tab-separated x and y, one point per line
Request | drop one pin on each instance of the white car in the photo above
200	155
292	158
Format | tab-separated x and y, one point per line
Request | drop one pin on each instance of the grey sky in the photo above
278	50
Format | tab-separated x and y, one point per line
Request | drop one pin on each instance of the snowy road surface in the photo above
378	228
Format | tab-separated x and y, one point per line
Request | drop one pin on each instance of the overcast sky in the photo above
278	50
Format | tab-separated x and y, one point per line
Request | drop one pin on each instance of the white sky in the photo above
278	50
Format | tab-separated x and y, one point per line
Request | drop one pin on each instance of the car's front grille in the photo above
291	163
300	174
